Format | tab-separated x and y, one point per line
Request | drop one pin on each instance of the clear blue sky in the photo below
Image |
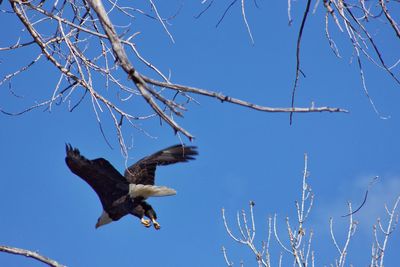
244	154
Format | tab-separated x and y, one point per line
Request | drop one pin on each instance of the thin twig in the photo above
298	69
365	196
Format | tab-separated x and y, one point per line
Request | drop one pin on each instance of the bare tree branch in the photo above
301	251
389	18
298	68
66	47
350	232
225	98
30	254
248	235
378	249
365	196
359	36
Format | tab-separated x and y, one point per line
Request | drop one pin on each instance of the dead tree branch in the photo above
247	232
298	68
64	31
350	232
378	248
352	17
30	254
297	244
392	22
301	251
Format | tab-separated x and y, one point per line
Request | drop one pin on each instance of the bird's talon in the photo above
156	225
146	223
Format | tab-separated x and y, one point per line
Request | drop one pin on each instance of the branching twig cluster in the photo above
247	234
350	232
81	41
379	247
297	247
351	17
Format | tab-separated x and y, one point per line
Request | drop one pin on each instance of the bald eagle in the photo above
122	195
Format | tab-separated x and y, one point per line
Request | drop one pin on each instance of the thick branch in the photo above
224	98
67	49
30	254
122	57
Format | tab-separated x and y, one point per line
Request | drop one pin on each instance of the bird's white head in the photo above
103	219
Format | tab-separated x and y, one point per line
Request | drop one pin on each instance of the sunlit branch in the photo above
378	249
248	232
30	254
350	232
74	27
301	251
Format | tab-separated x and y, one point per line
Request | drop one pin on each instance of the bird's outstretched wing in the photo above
143	171
105	180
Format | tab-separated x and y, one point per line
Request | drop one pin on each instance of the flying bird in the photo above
121	195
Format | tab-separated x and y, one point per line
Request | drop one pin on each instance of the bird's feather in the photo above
145	191
105	180
143	171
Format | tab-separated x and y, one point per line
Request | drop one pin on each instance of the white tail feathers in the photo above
145	191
